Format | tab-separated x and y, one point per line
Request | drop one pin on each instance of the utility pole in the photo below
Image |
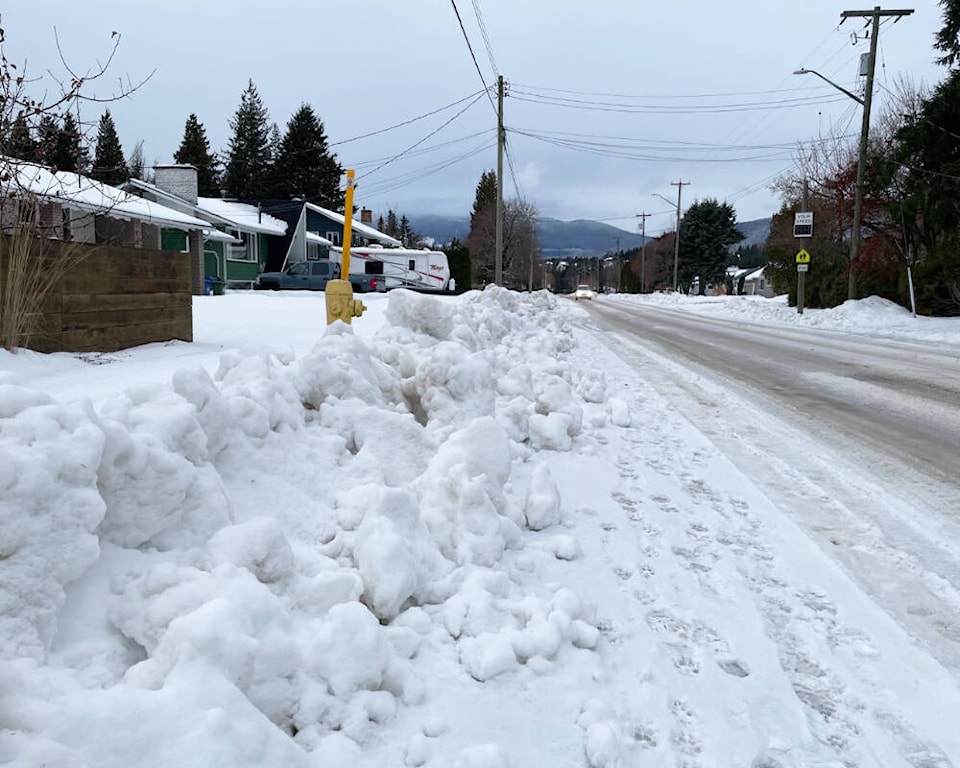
676	243
643	251
498	264
617	238
875	15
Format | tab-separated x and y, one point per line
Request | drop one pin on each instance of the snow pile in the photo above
873	316
162	605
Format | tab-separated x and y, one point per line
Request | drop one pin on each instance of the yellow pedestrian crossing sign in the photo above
803	257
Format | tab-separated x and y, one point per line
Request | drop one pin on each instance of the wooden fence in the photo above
110	298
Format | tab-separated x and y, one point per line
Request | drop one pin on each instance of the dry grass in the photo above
31	267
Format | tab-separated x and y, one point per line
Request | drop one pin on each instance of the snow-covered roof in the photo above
79	192
173	201
248	217
360	229
217	235
313	237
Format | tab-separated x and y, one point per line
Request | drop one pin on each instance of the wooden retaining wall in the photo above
111	298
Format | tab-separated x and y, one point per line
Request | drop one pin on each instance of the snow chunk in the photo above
487	655
155	476
542	507
258	545
49	509
619	412
421	314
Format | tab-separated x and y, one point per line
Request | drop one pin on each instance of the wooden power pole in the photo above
875	15
498	263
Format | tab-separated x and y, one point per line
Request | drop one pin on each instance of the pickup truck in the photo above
313	276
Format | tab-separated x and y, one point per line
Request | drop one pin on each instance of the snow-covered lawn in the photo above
460	533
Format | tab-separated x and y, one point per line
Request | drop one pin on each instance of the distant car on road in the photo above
583	292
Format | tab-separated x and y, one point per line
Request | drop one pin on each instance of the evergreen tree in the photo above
392	226
195	150
20	143
458	257
406	235
46	145
304	166
482	237
274	142
948	38
248	158
109	165
707	231
69	152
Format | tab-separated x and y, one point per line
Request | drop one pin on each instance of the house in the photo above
750	282
70	206
235	248
312	230
87	267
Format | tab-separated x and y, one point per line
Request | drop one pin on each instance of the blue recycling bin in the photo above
213	285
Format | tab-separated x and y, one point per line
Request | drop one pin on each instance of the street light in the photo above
861	158
676	241
804	71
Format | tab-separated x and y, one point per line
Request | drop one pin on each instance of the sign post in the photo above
803	264
802	227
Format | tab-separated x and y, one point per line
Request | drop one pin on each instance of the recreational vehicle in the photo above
419	270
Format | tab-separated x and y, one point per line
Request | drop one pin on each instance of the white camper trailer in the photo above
419	270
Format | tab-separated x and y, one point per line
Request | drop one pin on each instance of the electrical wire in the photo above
388	185
466	38
418	143
663	109
423	150
485	36
406	122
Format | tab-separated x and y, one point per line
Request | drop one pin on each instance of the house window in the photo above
333	237
247	250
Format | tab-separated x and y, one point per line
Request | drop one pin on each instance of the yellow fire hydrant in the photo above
340	302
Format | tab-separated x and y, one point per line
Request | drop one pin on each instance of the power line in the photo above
406	122
388	185
666	109
472	55
422	151
485	36
418	143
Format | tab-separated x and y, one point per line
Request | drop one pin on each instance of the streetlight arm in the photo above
828	80
670	202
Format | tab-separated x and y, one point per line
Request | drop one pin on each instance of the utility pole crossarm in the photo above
844	15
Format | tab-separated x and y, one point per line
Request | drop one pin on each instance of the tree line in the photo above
260	162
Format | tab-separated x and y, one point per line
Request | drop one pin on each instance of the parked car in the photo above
313	276
583	292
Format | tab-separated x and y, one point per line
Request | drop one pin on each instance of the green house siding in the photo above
242	271
263	247
173	240
213	258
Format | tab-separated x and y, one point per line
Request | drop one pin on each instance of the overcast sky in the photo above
608	101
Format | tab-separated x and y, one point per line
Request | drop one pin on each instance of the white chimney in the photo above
179	180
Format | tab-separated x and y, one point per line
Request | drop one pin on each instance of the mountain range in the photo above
569	239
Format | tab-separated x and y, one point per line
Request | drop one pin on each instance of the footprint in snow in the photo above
684	639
